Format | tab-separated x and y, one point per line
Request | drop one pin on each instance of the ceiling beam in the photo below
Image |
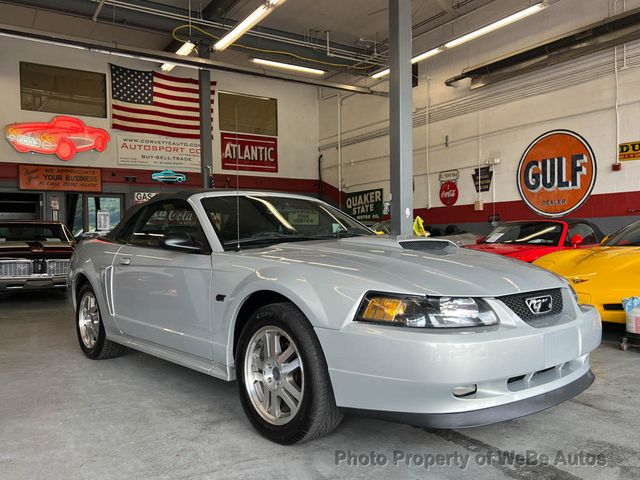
448	8
145	14
155	56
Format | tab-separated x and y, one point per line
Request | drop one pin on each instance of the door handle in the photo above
125	261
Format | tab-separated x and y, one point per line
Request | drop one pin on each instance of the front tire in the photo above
283	377
91	334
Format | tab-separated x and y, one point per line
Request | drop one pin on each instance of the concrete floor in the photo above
63	416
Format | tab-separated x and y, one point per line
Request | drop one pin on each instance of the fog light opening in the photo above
464	391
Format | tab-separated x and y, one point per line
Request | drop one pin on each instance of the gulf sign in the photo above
557	173
249	152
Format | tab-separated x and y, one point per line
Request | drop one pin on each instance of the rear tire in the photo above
90	330
285	388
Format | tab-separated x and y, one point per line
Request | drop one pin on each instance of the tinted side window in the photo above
152	224
127	232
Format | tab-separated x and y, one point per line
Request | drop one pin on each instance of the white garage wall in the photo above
297	108
495	121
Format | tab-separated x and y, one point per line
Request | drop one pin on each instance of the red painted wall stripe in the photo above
600	205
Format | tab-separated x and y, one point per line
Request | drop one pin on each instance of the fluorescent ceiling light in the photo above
416	59
247	24
472	35
381	73
425	55
496	25
185	49
287	66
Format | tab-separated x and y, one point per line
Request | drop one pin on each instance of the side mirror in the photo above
180	241
480	240
576	240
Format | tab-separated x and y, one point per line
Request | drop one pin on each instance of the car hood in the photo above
410	264
29	128
598	261
526	253
34	249
513	250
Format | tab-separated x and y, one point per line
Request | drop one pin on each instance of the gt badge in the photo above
540	305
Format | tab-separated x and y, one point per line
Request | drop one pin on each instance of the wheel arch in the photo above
251	303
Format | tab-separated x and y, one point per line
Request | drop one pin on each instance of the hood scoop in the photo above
434	247
427	245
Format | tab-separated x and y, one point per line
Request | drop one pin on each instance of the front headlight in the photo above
425	312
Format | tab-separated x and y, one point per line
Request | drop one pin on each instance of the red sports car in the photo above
64	136
530	240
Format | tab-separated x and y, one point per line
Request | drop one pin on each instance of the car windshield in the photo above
27	232
629	236
529	233
248	220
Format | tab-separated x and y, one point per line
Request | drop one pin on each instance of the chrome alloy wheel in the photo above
274	375
89	320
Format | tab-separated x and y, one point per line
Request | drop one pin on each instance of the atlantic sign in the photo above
557	173
249	152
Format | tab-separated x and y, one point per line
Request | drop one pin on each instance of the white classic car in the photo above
316	316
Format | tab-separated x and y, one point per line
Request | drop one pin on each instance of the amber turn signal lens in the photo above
382	309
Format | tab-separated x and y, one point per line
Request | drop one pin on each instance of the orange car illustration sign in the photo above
63	136
557	173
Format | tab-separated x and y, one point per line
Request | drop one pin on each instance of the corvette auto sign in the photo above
557	173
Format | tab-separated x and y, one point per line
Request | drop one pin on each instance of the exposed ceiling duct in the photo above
602	35
162	57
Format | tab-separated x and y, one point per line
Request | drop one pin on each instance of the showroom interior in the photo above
473	308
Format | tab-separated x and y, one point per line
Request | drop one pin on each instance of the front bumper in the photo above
410	375
42	282
607	296
484	416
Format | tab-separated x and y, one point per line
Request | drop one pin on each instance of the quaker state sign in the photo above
557	173
365	205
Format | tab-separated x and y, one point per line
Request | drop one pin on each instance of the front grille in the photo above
57	267
518	303
17	268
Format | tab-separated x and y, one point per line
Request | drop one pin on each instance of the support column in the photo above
206	145
400	117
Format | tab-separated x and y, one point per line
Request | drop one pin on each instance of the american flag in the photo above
152	102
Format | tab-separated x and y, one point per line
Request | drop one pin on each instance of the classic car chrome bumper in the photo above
34	282
456	379
24	274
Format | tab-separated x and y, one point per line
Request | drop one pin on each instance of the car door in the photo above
163	296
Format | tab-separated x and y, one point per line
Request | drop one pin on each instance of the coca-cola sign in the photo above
449	193
249	152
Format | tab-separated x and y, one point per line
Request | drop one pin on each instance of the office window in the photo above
45	88
248	114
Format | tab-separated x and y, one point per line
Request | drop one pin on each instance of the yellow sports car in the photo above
604	275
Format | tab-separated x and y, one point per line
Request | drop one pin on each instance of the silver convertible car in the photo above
316	316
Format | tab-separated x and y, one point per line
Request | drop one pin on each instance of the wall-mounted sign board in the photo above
72	179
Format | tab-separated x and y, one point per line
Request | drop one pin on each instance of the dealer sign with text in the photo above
158	152
42	177
365	205
249	152
557	173
629	151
